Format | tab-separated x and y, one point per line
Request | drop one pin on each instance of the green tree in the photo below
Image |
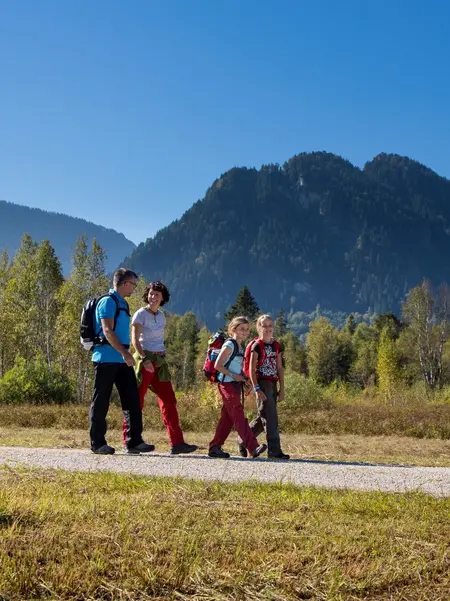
6	350
429	322
350	324
365	343
328	350
181	350
87	280
294	354
49	280
20	301
281	328
388	364
245	305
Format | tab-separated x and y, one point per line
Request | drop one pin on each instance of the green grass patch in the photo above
110	537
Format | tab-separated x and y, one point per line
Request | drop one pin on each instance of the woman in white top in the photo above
147	335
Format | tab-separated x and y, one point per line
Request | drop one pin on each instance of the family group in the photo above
134	374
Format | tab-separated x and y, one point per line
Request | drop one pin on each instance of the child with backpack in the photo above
147	334
264	367
231	381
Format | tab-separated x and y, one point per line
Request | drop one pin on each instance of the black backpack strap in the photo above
116	315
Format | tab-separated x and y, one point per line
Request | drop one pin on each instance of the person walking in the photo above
231	380
113	364
147	334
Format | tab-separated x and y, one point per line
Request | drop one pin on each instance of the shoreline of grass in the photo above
117	537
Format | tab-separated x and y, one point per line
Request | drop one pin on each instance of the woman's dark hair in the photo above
160	287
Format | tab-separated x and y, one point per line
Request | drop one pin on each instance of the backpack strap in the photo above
116	315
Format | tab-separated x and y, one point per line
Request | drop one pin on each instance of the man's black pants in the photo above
123	376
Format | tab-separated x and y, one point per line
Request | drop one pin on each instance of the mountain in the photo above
61	230
317	230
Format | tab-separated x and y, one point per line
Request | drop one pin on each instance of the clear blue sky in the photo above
125	112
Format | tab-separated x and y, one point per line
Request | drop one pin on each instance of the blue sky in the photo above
124	113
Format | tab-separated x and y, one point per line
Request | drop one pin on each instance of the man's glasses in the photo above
134	284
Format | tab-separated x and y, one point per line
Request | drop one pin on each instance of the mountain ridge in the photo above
316	230
62	230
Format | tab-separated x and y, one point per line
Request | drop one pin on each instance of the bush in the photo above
303	393
32	382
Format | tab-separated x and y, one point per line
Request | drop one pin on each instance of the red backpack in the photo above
262	354
215	344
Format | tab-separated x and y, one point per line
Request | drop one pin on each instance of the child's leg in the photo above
223	428
231	395
146	377
168	406
269	415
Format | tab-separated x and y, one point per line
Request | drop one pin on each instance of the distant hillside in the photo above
61	230
316	230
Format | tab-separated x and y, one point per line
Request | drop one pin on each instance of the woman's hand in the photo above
280	396
260	395
148	365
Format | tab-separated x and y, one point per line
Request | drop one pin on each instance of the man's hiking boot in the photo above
182	447
218	453
279	455
242	450
257	452
143	447
104	450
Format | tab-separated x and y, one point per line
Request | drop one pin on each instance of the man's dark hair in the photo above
160	287
122	275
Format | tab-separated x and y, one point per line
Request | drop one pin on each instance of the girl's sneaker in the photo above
257	452
218	453
242	450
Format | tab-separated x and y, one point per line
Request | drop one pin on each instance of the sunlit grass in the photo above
103	536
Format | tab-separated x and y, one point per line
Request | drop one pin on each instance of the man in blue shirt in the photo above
113	364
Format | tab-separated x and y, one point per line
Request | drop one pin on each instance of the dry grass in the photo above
90	537
371	449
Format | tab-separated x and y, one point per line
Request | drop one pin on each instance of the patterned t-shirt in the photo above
268	368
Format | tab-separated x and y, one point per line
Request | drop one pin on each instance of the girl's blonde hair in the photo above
235	322
260	320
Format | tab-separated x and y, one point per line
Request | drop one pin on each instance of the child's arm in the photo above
220	364
253	377
280	376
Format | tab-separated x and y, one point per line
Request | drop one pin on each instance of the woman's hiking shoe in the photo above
242	450
183	447
104	450
279	455
218	453
143	447
257	452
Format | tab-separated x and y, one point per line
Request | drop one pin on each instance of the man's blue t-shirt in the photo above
106	308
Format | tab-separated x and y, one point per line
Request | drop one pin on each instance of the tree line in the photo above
41	359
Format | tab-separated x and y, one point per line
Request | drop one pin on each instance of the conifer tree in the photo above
280	324
245	305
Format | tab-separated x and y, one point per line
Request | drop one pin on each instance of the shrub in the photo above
303	393
32	382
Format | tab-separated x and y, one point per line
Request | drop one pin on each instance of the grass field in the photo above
85	537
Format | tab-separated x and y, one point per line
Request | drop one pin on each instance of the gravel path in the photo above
329	474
